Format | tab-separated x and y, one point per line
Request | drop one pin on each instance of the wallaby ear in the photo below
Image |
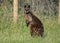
24	6
28	6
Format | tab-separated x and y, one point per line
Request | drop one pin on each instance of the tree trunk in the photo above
15	11
59	13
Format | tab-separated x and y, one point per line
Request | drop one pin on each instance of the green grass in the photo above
21	33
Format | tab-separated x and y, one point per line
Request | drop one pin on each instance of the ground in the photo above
21	34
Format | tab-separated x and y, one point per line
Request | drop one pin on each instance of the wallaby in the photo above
35	25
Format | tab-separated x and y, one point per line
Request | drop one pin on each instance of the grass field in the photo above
21	34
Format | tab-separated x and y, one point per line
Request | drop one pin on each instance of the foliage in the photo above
20	33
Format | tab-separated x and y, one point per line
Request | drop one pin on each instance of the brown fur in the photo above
35	25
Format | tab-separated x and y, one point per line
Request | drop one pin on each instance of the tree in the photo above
59	13
15	11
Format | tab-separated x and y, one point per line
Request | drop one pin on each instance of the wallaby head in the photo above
26	8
